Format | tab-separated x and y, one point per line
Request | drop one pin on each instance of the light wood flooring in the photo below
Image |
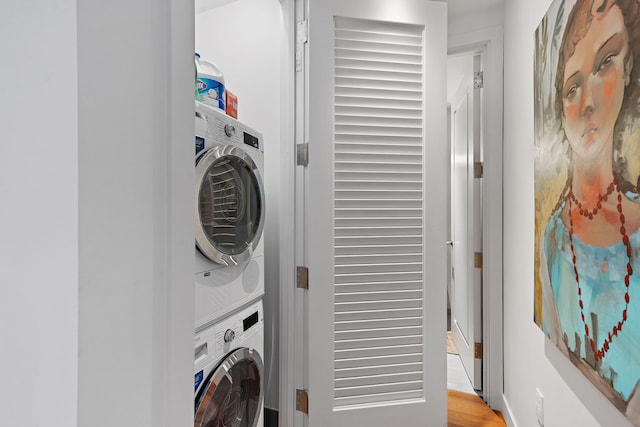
469	410
465	407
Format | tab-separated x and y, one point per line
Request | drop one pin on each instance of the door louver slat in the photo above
358	325
376	83
376	222
377	277
378	46
345	148
378	380
373	101
359	306
377	333
369	259
382	112
361	399
396	350
388	369
378	212
378	342
376	287
346	34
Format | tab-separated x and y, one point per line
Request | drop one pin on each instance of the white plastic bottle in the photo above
210	83
195	77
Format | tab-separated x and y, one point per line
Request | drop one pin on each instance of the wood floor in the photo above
469	410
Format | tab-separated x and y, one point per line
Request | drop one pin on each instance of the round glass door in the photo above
229	205
232	395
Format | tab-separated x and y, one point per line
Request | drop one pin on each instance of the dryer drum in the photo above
229	205
232	394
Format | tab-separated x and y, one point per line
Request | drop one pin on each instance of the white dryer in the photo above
229	215
229	371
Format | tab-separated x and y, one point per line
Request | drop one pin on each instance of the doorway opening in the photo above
464	282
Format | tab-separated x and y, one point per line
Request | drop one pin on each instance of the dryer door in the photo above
229	205
232	394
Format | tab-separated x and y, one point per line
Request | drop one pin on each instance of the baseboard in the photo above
270	417
507	413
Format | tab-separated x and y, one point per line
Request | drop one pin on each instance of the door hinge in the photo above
477	259
478	170
302	36
302	401
302	278
302	32
477	350
302	154
478	80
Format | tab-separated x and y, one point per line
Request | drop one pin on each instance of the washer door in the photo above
229	205
232	394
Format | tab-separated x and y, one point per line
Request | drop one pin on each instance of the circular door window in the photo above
229	205
232	395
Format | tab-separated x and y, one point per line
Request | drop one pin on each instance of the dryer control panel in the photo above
215	124
237	133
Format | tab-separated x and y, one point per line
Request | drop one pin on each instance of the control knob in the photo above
229	335
229	130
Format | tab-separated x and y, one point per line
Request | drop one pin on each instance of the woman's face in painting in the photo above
594	82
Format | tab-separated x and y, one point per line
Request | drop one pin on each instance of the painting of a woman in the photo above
588	263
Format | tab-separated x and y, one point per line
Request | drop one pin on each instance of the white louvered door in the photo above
375	222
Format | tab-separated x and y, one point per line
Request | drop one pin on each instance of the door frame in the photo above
290	135
490	42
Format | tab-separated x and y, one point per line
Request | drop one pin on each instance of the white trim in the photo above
491	40
301	136
173	397
286	410
507	413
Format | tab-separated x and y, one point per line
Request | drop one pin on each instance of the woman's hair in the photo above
578	23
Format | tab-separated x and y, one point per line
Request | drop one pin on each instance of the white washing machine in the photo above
229	215
229	371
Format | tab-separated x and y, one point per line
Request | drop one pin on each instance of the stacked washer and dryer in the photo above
229	276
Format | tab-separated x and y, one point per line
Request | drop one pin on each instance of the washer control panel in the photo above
230	331
217	340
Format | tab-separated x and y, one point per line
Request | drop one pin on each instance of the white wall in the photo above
135	157
96	174
462	22
530	361
244	39
38	213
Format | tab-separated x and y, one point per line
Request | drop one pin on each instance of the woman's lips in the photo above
590	131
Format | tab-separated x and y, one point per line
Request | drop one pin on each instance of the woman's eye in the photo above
571	92
606	61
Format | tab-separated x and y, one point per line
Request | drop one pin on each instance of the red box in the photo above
231	104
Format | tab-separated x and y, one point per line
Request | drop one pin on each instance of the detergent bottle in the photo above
209	83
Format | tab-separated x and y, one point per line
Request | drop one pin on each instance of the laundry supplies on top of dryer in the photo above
209	83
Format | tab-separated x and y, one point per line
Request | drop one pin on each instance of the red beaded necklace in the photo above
601	198
599	353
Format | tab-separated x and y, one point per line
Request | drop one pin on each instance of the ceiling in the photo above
458	7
